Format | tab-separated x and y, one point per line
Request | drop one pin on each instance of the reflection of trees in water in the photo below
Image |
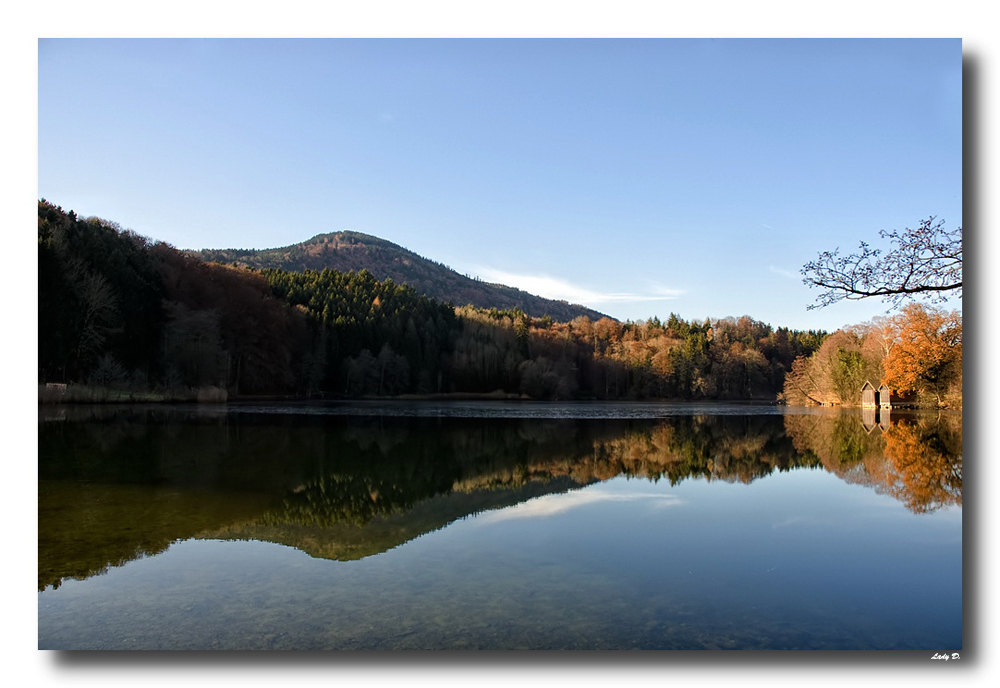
324	470
917	459
395	469
925	461
237	473
386	467
368	472
731	448
838	443
84	529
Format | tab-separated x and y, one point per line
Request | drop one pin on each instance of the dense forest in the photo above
120	312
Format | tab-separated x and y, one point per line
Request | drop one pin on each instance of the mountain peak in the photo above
349	250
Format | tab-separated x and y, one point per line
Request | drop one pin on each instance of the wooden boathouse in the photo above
875	398
876	404
869	396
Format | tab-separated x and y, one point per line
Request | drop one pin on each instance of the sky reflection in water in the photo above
795	559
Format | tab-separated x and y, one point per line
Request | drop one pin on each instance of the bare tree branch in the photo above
925	262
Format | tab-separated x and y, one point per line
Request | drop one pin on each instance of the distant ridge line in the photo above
349	250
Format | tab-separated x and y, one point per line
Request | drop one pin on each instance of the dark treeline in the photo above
118	311
100	296
366	336
677	359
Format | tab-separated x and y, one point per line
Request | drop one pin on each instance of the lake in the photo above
498	525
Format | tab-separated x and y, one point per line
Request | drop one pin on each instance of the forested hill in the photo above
120	313
353	251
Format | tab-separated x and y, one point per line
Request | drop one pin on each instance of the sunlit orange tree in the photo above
927	355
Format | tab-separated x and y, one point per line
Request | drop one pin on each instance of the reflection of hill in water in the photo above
127	483
347	541
86	528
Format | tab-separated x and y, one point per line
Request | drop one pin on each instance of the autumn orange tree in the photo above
925	462
927	355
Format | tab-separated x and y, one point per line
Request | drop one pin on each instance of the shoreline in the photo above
55	395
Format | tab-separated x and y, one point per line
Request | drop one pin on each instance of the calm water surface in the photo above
498	526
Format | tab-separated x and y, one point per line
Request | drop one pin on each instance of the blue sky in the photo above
637	176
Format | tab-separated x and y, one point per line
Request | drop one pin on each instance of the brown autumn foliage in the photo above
917	353
835	373
224	326
927	355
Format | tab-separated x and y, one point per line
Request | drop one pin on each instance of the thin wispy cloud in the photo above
784	273
552	505
560	289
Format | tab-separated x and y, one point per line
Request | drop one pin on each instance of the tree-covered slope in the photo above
123	313
353	251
